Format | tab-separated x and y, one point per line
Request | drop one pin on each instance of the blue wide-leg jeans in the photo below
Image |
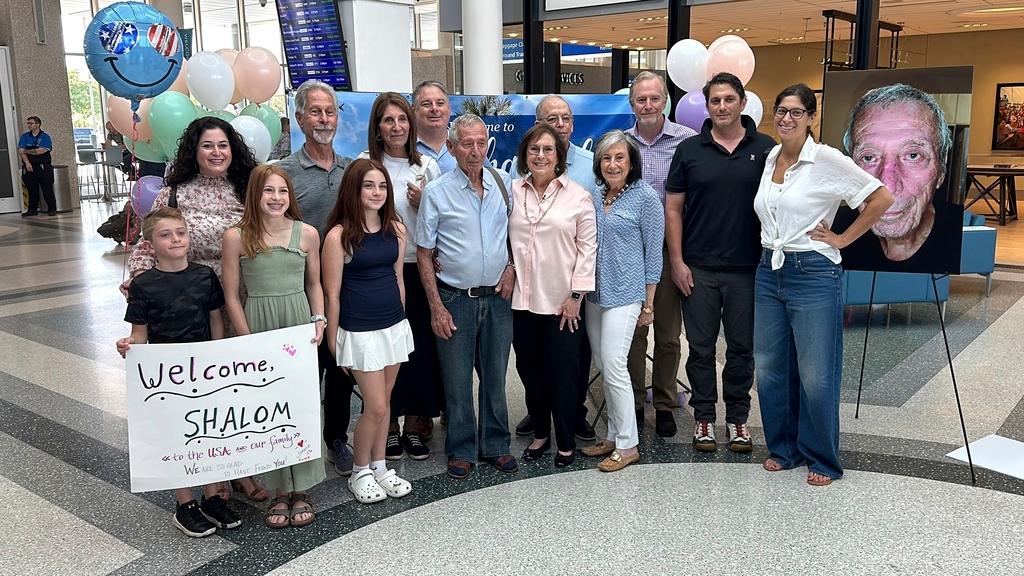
798	359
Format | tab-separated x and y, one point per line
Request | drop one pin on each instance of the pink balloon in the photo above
119	112
179	83
230	55
257	74
733	56
144	193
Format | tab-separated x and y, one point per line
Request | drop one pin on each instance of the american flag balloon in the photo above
119	37
163	39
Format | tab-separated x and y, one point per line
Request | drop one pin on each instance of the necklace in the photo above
609	201
526	209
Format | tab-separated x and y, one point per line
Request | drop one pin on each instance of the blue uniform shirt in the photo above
445	160
470	233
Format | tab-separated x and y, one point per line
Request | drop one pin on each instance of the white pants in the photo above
611	332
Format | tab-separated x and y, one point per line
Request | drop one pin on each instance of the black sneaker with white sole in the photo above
218	513
393	449
190	520
414	446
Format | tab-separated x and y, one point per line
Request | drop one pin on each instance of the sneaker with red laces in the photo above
704	437
739	438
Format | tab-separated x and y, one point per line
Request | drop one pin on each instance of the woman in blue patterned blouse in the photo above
630	233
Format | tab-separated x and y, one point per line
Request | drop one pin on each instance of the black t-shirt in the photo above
175	306
940	253
720	229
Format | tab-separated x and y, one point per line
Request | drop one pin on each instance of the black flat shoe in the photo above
531	454
561	460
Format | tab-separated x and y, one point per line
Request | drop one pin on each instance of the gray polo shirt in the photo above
316	189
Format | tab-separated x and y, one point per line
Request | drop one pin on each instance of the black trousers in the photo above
725	299
419	379
548	364
337	395
40	179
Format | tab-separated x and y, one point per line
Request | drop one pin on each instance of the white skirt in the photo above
376	349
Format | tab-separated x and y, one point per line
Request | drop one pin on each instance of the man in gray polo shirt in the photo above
316	172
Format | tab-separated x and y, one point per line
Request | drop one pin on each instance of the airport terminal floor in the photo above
903	507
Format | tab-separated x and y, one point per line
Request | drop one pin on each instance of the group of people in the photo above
420	264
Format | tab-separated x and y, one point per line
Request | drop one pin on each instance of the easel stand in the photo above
949	360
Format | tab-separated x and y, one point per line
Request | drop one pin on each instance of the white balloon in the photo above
723	39
687	64
622	91
210	80
754	107
255	134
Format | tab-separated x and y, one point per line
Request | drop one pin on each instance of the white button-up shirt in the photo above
811	192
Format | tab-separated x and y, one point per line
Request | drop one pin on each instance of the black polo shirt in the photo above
720	229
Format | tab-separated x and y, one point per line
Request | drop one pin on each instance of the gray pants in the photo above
727	299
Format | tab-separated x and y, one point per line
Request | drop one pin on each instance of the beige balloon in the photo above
179	83
257	74
119	112
229	55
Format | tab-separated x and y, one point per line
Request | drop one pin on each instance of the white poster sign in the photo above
215	411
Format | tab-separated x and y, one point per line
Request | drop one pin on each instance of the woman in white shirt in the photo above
391	140
798	302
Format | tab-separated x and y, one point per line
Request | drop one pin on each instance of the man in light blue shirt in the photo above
463	219
431	111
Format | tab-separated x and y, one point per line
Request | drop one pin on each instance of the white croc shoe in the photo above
365	488
393	485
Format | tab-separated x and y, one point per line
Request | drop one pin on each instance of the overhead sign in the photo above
314	46
512	50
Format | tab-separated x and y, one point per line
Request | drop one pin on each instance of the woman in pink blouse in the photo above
553	236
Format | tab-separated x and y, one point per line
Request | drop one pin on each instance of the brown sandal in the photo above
279	512
816	479
257	494
301	504
771	465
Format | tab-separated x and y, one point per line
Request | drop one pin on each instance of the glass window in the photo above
86	101
218	20
75	16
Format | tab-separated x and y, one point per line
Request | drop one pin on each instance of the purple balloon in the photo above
144	193
692	111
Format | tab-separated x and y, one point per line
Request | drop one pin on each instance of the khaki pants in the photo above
668	324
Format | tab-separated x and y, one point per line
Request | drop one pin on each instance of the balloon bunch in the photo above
690	65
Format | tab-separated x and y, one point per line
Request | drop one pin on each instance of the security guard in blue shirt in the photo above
34	149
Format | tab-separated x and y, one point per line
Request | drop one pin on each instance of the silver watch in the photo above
318	318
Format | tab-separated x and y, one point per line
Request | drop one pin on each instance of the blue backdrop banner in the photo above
507	117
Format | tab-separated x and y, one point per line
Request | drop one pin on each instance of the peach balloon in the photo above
229	55
257	74
179	83
733	56
119	112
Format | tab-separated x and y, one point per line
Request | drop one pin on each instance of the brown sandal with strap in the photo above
301	504
280	512
257	494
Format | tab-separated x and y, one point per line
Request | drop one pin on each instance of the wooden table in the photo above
1005	206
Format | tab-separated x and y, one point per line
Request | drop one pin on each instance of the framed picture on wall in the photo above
1008	131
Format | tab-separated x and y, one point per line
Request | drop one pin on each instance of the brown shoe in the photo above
617	462
602	448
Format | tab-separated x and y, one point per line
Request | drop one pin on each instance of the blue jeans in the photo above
482	341
798	357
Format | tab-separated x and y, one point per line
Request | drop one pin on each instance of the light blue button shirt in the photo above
443	157
579	166
469	233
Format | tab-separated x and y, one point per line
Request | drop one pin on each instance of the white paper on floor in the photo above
995	453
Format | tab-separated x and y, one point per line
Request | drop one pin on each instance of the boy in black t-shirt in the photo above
178	302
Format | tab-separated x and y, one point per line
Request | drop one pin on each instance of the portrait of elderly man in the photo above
898	134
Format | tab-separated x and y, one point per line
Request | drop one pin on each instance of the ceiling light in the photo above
554	39
591	43
512	34
640	39
608	45
624	46
573	41
734	30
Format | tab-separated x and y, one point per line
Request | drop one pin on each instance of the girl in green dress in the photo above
278	259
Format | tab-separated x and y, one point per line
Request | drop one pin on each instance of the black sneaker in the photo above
217	512
525	427
190	520
664	423
393	449
584	431
414	446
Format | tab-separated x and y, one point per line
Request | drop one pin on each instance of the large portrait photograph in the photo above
909	129
1008	132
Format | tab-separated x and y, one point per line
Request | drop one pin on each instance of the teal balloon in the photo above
268	116
668	106
149	151
169	116
222	114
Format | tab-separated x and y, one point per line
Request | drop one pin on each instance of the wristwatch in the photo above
318	318
576	296
647	309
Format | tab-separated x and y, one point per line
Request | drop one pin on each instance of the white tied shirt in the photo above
811	192
401	174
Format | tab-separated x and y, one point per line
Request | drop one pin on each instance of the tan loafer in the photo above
602	448
617	461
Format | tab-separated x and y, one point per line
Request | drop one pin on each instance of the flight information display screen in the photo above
314	46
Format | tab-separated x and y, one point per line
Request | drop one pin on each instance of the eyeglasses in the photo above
555	120
540	151
794	113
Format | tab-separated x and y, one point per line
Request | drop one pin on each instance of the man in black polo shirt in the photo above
713	239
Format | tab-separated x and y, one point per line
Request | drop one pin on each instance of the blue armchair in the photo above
978	250
893	287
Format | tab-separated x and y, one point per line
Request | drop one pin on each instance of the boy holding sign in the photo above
179	302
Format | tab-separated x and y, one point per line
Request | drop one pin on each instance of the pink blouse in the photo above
554	243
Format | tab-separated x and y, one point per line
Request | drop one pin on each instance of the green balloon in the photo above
148	151
268	116
169	115
222	114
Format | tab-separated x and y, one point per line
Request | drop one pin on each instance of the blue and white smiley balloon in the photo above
133	50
